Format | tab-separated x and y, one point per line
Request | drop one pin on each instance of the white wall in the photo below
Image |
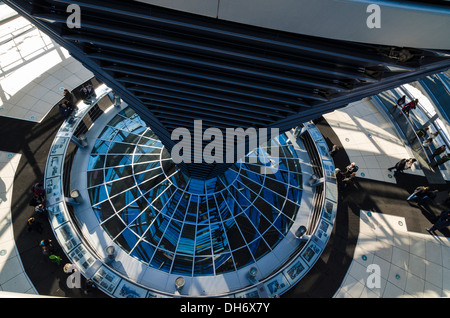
402	24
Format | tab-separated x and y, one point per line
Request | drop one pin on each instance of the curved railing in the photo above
403	123
60	202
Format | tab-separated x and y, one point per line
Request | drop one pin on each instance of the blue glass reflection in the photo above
187	226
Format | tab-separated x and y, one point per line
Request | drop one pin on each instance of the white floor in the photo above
410	264
369	140
12	276
33	71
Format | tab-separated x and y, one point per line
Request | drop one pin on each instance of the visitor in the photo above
442	222
333	150
426	144
87	92
38	203
339	175
400	102
65	109
440	161
36	200
116	99
89	286
69	96
438	151
409	106
69	269
34	225
350	169
48	246
55	259
402	165
422	195
38	189
349	179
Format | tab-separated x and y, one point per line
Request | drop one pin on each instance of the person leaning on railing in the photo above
438	151
426	144
442	160
65	109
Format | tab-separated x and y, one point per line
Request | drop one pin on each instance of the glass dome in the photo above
182	225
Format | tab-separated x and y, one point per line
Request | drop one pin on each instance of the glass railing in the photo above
388	100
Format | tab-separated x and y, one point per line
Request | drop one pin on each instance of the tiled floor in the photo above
33	71
369	140
410	264
12	276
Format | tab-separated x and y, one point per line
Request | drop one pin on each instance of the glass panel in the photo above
117	173
170	239
186	242
219	239
129	213
203	266
101	147
126	137
224	263
140	224
119	186
259	248
272	236
242	257
103	211
191	215
233	234
170	208
180	210
127	240
96	162
118	160
127	112
97	194
114	226
182	265
203	240
156	230
94	177
162	260
121	148
108	133
247	229
143	251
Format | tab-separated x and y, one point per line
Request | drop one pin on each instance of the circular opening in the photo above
182	225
